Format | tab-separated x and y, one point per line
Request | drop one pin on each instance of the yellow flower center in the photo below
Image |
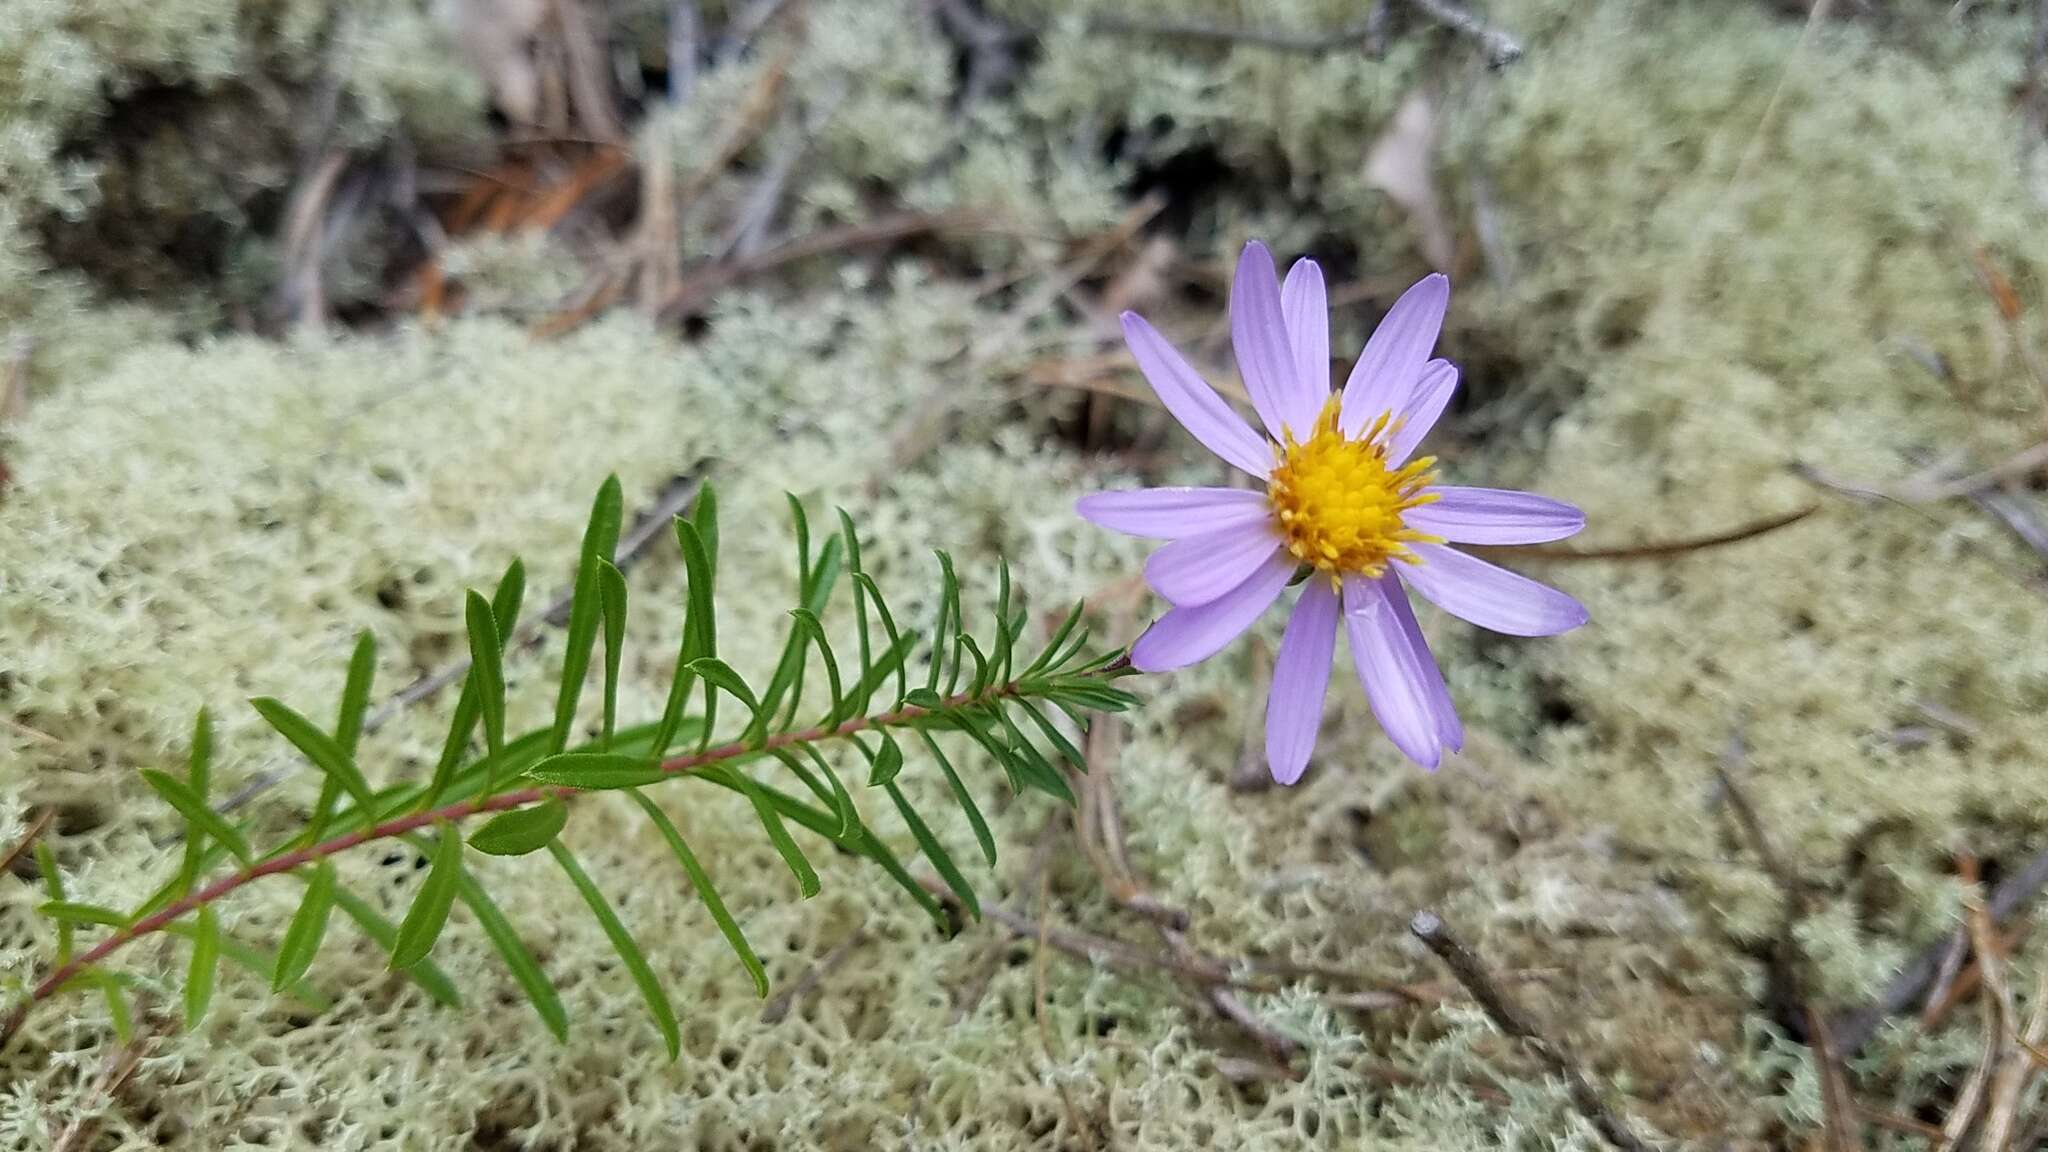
1338	502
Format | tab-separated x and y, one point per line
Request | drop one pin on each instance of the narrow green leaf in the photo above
704	518
796	766
816	633
624	945
698	630
117	1003
979	682
850	825
429	912
75	912
802	526
867	582
1035	769
963	797
322	750
308	928
595	770
355	692
935	852
600	541
999	659
958	624
1055	737
429	977
891	663
701	881
486	668
525	969
778	835
53	884
199	774
926	699
884	764
258	962
857	704
611	586
949	594
521	830
718	674
199	976
180	796
1059	637
505	615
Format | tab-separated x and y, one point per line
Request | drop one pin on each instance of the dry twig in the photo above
1429	928
44	817
1662	548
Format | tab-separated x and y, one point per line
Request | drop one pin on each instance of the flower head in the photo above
1345	501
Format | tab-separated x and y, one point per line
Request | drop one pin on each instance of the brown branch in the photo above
1662	548
1429	928
43	819
692	295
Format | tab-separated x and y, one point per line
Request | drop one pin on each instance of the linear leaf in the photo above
596	770
199	975
999	659
624	945
698	630
1055	737
505	615
521	830
373	924
701	881
816	634
1059	637
979	682
885	763
958	623
53	885
891	663
850	825
308	928
964	798
525	969
486	667
778	835
600	541
935	852
949	594
75	912
506	600
611	586
897	647
1036	770
704	518
118	1010
858	702
199	774
258	962
179	795
429	912
355	692
322	750
718	674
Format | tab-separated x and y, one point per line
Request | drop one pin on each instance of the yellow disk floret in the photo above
1339	504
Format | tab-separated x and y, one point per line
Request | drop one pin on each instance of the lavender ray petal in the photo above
1489	596
1494	516
1196	405
1197	569
1258	334
1394	686
1171	513
1306	306
1416	414
1301	675
1395	354
1186	635
1449	728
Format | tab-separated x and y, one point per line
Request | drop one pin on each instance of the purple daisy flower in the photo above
1343	503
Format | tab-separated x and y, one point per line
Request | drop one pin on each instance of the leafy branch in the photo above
981	690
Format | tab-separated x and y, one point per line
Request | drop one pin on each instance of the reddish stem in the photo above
461	810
